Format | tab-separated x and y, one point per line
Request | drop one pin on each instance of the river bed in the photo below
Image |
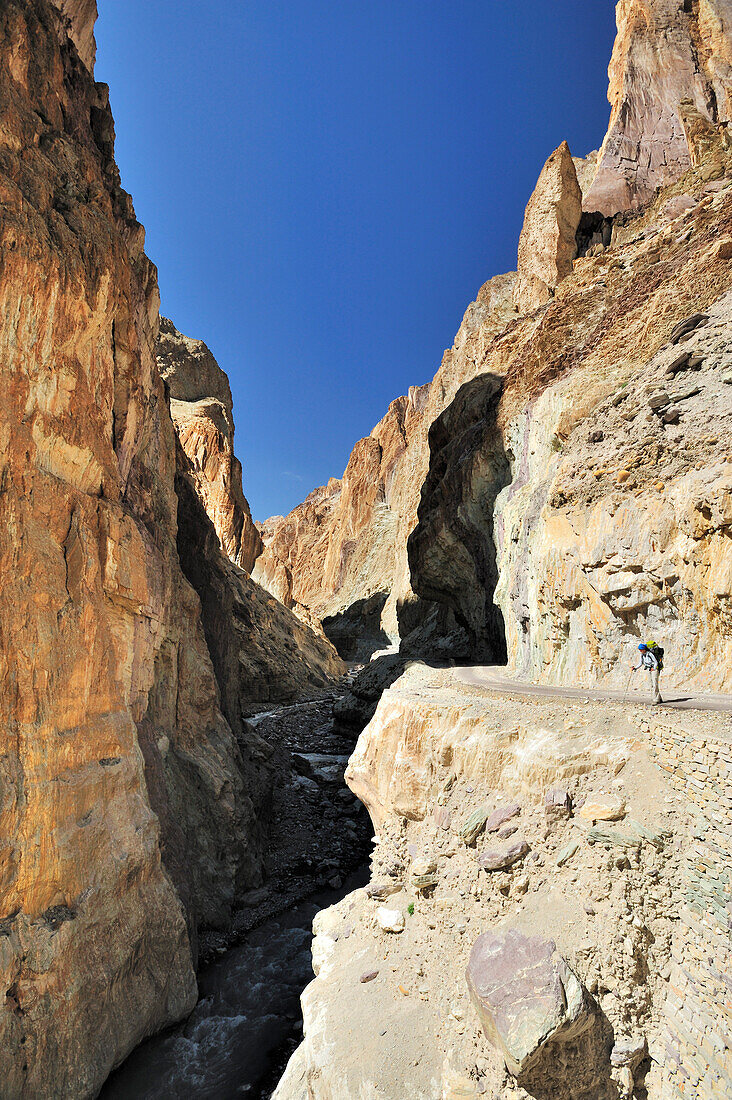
245	1023
247	1020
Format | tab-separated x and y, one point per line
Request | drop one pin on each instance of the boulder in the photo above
497	859
501	816
547	245
603	808
629	1052
526	996
557	804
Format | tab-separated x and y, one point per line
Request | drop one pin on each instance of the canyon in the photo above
548	908
132	790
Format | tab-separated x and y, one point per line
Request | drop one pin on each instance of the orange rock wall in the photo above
124	822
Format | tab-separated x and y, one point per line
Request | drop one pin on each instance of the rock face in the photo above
619	408
341	556
547	245
81	16
127	805
669	58
202	411
568	951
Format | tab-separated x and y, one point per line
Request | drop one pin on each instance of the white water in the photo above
247	1015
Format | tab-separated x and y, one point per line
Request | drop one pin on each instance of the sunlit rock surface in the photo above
667	52
126	803
202	411
547	245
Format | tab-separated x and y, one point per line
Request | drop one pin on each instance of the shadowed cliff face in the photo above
452	558
261	653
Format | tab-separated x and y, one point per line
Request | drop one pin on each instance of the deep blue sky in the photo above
327	183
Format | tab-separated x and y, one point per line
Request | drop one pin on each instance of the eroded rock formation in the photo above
202	411
126	803
547	245
666	53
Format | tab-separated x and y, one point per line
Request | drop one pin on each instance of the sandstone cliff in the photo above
202	411
669	57
582	376
126	803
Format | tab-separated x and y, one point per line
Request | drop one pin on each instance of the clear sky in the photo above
326	184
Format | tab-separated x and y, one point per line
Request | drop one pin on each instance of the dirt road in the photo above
494	678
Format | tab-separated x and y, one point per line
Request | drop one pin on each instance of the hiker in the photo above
652	660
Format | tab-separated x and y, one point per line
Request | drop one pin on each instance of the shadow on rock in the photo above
356	632
452	550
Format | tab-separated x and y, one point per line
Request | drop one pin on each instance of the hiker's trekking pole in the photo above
630	676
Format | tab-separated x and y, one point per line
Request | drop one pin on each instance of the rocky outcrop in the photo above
568	950
202	411
667	54
547	245
81	15
341	556
126	803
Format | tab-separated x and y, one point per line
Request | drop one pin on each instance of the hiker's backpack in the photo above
657	651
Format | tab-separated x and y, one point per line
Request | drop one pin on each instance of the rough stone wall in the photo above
203	415
697	1047
124	821
666	52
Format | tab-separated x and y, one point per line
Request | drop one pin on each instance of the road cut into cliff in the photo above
581	843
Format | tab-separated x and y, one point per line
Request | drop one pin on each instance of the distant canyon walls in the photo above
127	799
345	546
577	334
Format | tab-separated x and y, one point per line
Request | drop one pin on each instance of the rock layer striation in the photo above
127	804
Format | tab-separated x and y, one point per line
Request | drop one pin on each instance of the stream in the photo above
247	1020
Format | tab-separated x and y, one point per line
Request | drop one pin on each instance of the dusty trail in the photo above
494	678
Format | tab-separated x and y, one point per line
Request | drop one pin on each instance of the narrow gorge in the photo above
523	892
